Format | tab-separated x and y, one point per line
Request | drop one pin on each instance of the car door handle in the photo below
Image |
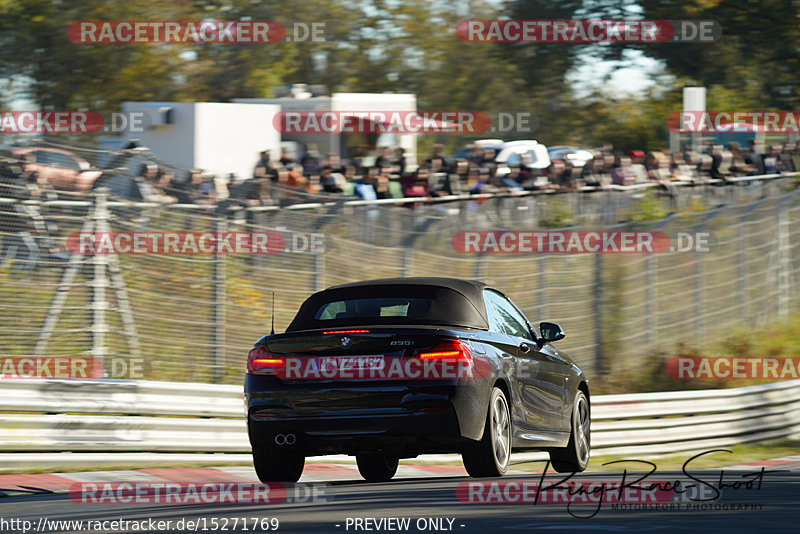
525	348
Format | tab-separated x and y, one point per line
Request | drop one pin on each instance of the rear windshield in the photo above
372	308
388	304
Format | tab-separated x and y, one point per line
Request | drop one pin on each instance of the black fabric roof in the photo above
455	302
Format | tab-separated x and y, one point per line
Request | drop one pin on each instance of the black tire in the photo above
491	455
273	465
575	457
377	467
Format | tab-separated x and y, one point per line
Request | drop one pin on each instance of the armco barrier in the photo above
92	417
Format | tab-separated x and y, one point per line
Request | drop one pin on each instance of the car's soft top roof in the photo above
458	302
469	288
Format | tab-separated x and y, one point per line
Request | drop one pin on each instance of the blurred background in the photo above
599	156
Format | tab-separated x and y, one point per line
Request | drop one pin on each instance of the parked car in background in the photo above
493	144
528	152
569	154
59	168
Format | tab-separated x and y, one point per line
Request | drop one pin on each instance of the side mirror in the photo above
551	332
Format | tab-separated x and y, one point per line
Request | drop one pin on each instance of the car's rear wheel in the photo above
575	457
377	467
490	456
273	465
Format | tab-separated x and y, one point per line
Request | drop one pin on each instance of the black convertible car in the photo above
393	368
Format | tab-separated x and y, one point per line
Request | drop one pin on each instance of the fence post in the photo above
542	261
407	261
741	253
218	308
597	306
479	267
698	293
650	299
784	261
319	271
99	283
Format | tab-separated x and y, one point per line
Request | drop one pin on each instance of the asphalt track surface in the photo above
774	507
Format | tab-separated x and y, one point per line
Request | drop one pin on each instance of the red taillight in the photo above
451	350
262	362
346	332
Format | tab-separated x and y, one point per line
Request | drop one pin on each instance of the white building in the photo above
218	138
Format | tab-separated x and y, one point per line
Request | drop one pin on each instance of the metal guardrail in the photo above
107	416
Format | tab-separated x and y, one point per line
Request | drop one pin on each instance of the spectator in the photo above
143	187
162	185
754	158
385	158
482	181
332	164
419	185
400	159
329	183
487	161
285	159
438	162
364	190
459	176
18	222
567	182
310	161
264	161
772	161
787	162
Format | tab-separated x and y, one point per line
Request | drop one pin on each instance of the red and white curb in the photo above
313	472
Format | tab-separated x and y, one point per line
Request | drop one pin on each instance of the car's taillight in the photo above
451	350
262	362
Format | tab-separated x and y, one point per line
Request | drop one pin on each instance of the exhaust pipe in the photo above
285	439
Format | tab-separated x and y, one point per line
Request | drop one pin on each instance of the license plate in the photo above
351	363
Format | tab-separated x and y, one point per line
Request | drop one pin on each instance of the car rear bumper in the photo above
406	433
410	417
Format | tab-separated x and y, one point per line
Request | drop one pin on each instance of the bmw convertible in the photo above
393	368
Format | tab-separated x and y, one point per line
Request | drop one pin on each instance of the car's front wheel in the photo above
377	467
491	455
273	465
575	457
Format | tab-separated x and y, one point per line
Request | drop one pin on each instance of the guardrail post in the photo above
218	308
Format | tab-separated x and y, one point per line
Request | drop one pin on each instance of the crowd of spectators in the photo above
313	177
388	175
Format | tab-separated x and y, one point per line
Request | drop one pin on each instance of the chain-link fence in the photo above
194	317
